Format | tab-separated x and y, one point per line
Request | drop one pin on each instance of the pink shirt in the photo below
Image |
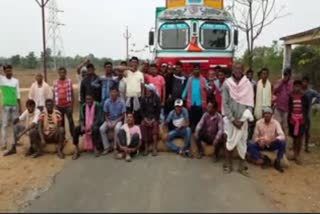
135	130
159	82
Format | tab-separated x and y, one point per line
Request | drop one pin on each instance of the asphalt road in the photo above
167	183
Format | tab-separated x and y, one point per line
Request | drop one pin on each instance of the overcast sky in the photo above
97	26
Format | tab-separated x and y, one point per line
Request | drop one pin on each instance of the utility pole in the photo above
42	5
127	37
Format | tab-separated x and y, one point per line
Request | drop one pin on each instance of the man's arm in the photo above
41	129
72	97
18	97
226	103
32	125
280	133
86	61
163	92
220	131
199	126
185	90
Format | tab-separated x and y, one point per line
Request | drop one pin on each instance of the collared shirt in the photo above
196	99
134	81
30	118
114	109
269	131
178	120
211	125
107	82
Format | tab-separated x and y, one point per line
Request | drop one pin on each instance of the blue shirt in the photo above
195	92
172	117
114	109
106	84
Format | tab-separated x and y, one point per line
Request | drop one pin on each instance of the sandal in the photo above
227	168
75	156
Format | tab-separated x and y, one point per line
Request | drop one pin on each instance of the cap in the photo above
178	102
164	65
151	87
267	109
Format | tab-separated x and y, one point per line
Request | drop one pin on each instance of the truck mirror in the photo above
151	38
236	37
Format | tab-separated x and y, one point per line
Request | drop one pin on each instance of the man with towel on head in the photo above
237	104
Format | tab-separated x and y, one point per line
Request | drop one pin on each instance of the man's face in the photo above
250	75
134	64
62	74
148	92
196	72
211	75
178	109
130	119
90	70
31	108
8	72
211	109
114	94
145	68
305	84
237	71
267	117
108	69
163	68
178	69
120	73
39	78
153	71
89	100
264	75
49	106
221	76
297	88
286	77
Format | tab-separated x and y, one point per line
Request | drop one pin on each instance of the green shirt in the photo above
10	91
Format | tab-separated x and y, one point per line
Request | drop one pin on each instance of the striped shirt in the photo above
50	121
10	91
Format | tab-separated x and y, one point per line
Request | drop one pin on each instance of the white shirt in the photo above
134	81
30	118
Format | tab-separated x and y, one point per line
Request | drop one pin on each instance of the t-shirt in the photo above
10	91
159	82
114	109
178	120
50	121
30	118
134	130
134	81
196	98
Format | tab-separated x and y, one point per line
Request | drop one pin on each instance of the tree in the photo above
31	61
252	17
15	60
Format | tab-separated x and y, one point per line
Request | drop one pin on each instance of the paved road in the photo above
163	184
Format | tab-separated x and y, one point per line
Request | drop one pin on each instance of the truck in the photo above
194	32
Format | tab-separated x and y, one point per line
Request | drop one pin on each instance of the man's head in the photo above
264	74
212	107
145	67
249	74
7	69
267	113
212	75
130	119
179	68
39	78
305	82
221	75
124	63
287	74
62	72
164	67
297	86
108	68
114	93
89	99
120	73
153	69
31	106
49	105
178	105
196	70
150	89
134	63
91	69
238	70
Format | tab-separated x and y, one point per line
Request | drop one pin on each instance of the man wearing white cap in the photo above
268	135
179	121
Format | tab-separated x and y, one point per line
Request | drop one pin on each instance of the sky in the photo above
97	26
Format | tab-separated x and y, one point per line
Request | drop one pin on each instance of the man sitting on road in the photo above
178	119
30	118
114	109
50	130
210	130
268	135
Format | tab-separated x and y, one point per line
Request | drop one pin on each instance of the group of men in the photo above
122	111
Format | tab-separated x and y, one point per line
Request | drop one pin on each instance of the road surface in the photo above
167	183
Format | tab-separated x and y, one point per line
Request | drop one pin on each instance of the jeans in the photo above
185	133
68	112
195	116
254	150
9	113
103	132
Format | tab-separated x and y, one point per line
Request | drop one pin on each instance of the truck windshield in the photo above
174	36
214	36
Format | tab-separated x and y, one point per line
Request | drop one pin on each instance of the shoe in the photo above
119	156
243	168
3	147
12	151
128	158
107	151
266	162
97	153
278	166
227	168
75	156
186	154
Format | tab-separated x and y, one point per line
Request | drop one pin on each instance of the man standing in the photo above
269	136
150	111
89	85
210	130
282	90
217	88
106	81
121	82
10	100
134	90
237	99
50	130
30	118
310	95
263	93
178	123
195	94
158	81
250	75
63	97
82	72
40	91
114	109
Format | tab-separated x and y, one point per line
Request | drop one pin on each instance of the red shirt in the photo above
159	82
